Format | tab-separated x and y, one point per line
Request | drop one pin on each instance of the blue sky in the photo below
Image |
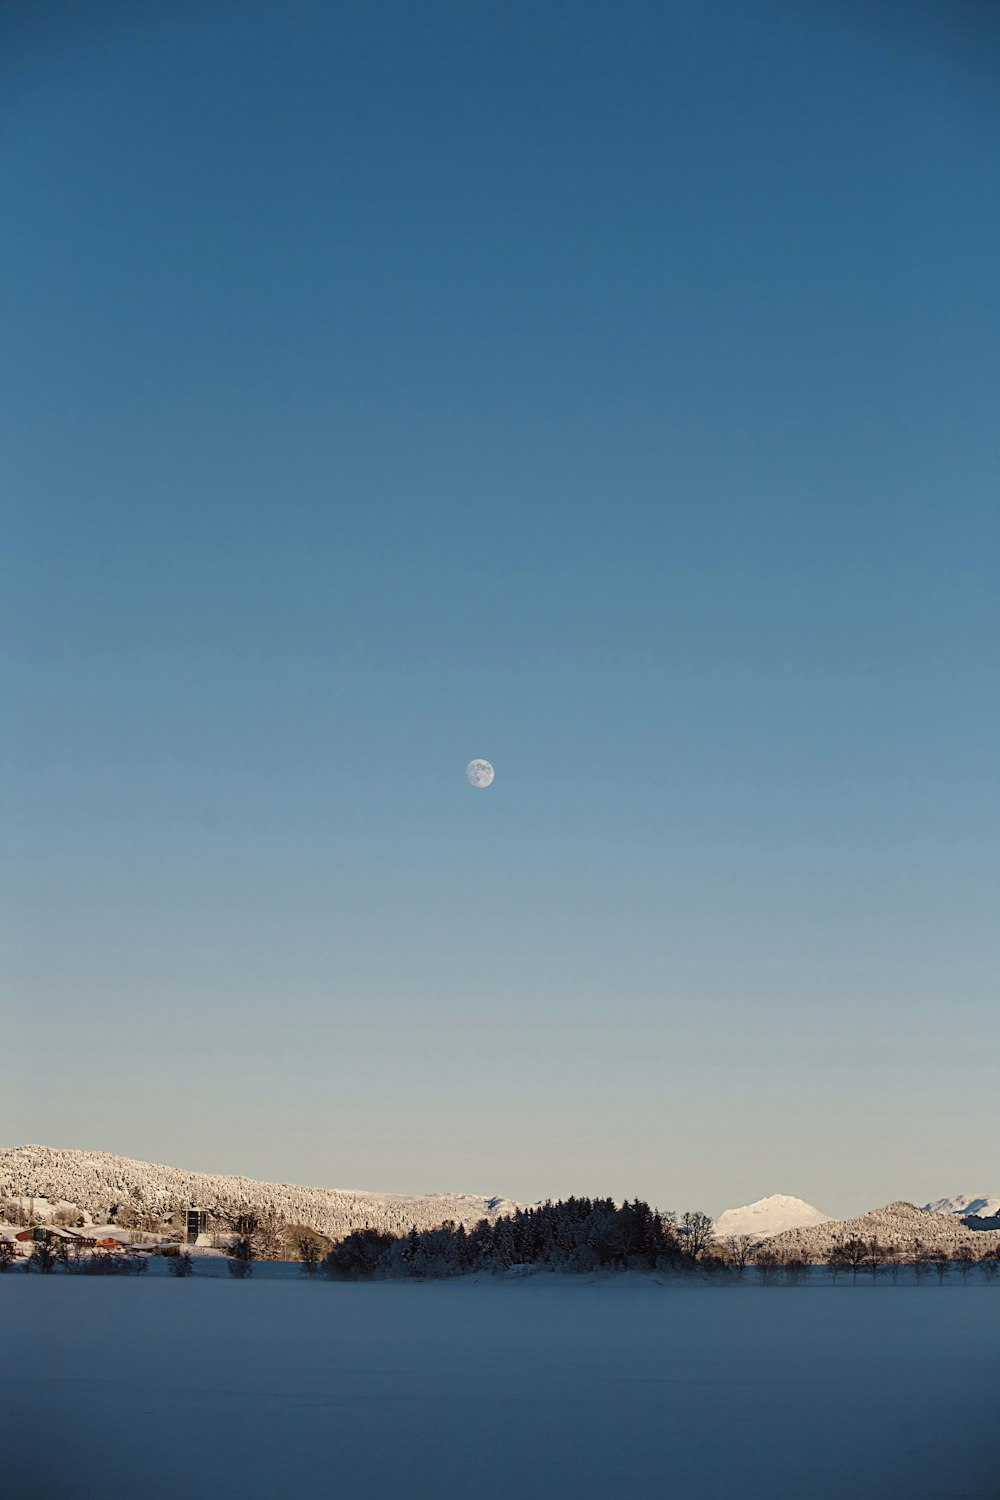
608	390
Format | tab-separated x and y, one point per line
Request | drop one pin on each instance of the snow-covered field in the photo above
151	1387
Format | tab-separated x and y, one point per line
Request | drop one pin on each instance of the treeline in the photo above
858	1256
575	1234
583	1235
861	1257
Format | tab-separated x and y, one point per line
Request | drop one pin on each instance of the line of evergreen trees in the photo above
575	1234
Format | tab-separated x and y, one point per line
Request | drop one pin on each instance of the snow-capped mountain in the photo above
769	1216
981	1205
101	1186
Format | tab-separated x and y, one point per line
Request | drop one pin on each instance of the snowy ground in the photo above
150	1387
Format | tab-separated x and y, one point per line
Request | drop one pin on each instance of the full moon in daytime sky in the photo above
479	773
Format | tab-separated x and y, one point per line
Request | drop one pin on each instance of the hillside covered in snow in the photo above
768	1216
897	1224
108	1188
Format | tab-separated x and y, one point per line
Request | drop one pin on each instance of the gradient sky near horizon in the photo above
609	390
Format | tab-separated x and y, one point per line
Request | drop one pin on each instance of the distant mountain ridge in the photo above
101	1184
966	1205
768	1216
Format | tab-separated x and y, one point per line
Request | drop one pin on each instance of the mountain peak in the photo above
769	1216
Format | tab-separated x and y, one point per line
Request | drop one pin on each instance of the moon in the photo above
479	773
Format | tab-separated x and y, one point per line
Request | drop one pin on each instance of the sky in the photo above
607	390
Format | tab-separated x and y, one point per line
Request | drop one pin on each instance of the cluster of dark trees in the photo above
576	1234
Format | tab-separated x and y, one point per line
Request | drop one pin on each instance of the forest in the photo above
575	1234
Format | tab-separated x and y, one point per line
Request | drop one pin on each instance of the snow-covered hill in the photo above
768	1216
102	1185
897	1224
981	1205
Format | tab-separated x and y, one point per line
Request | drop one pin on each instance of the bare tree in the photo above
918	1260
874	1258
891	1256
849	1254
699	1229
768	1263
796	1268
854	1254
181	1264
939	1261
267	1238
965	1258
69	1254
241	1256
738	1251
310	1253
8	1255
989	1263
43	1257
